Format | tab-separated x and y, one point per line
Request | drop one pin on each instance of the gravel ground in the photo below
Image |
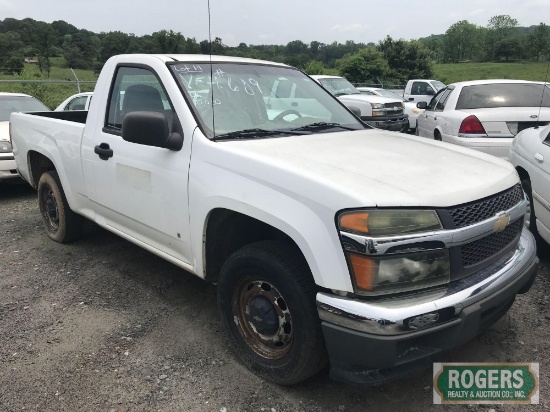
102	325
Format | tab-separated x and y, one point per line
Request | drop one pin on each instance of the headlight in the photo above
394	273
5	147
378	109
376	223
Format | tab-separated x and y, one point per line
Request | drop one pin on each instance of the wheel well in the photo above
437	134
38	164
227	231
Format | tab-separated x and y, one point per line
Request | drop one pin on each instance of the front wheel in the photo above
266	299
62	224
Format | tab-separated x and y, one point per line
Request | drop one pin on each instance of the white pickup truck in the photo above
382	112
421	90
329	241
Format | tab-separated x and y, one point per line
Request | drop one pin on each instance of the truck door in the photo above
421	91
141	191
427	121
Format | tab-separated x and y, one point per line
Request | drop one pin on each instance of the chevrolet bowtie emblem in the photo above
502	222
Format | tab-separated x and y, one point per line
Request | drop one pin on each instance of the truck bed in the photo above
77	116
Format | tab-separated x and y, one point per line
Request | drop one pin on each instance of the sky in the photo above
277	21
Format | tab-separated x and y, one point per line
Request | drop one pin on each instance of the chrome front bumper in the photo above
440	307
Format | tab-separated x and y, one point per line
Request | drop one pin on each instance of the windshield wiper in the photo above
323	125
252	133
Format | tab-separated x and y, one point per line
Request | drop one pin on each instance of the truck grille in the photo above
482	249
469	214
394	108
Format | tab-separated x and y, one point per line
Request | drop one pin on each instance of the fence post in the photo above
77	81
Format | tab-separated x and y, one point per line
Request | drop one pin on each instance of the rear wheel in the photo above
266	299
530	218
62	224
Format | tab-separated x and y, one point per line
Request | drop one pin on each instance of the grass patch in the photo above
451	73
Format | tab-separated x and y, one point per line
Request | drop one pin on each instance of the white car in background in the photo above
10	103
80	101
530	155
410	107
485	115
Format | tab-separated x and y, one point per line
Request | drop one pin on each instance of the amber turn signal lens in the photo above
355	222
364	270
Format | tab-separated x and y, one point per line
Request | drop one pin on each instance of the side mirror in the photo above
422	105
150	129
355	110
430	92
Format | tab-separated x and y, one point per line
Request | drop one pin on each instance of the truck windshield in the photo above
339	86
11	104
438	85
253	100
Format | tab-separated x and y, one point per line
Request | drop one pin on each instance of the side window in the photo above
440	105
78	103
419	88
136	89
435	99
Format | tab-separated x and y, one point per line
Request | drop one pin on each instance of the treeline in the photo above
393	60
501	40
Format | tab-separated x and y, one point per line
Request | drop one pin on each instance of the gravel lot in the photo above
102	325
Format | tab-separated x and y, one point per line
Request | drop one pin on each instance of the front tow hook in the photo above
103	151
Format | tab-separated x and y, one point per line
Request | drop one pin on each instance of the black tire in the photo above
530	218
272	280
543	249
437	135
62	224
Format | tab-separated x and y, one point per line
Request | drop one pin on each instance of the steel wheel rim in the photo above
50	210
275	344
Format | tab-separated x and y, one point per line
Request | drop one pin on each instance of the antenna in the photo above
211	75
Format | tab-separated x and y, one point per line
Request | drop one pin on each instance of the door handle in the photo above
435	118
539	157
294	104
103	151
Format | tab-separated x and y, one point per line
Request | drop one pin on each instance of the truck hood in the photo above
361	98
4	131
371	168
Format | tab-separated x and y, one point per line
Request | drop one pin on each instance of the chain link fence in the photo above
49	92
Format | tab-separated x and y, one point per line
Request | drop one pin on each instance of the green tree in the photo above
169	41
116	42
539	41
45	40
499	28
461	42
508	48
407	60
315	67
11	55
368	64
